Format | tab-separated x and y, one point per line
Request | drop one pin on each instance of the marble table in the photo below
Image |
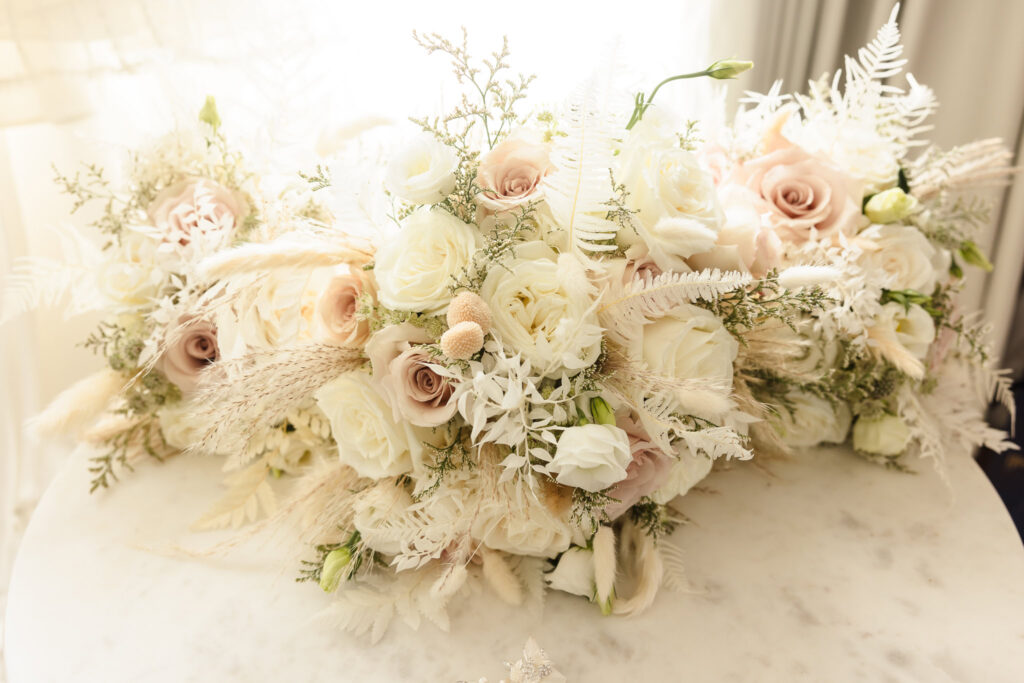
818	568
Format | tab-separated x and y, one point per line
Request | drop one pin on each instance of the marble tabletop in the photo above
821	567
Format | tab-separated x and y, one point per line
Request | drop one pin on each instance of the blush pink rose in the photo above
196	209
805	196
510	174
191	350
337	320
645	474
402	368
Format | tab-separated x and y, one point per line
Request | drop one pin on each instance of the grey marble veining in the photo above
817	568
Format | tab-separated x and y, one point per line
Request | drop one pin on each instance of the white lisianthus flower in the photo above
809	420
370	440
687	471
591	457
912	327
691	343
678	211
414	270
132	278
541	306
906	255
883	435
574	573
422	171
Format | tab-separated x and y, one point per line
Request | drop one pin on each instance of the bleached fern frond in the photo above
293	250
674	575
36	282
238	399
717	442
881	58
977	164
248	493
580	187
362	610
644	299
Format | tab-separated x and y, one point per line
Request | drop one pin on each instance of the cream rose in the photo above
808	420
197	211
263	315
414	388
691	343
422	171
369	439
541	307
591	457
906	255
884	435
678	211
191	350
516	520
131	278
510	175
805	196
743	243
337	318
414	270
801	353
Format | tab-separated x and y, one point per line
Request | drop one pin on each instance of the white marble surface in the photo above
823	568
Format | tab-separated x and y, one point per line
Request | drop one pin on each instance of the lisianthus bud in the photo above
973	255
729	68
883	435
208	114
334	566
889	206
602	412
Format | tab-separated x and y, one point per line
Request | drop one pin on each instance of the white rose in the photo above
180	427
884	435
591	457
691	343
809	420
264	314
574	573
541	307
422	171
678	212
911	327
369	439
131	277
688	469
799	353
414	270
905	255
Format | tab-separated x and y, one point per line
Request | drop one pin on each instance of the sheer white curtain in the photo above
85	80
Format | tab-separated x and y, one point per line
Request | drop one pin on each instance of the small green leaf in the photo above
334	566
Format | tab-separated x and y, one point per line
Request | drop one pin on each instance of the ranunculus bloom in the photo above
196	210
805	196
192	350
337	320
646	472
510	174
884	435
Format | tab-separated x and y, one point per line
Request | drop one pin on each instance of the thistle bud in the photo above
728	68
602	412
973	255
889	206
334	567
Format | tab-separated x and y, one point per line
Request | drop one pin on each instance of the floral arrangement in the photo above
498	351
